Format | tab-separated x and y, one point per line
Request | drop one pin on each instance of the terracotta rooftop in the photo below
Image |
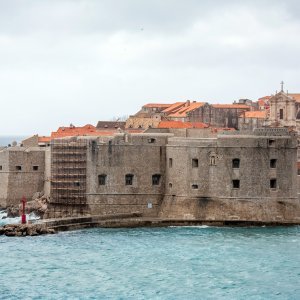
295	96
231	106
157	105
179	124
259	114
44	139
175	106
188	107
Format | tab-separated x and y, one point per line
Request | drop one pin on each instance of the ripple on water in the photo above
157	263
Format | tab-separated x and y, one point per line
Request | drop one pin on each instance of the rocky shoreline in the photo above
19	230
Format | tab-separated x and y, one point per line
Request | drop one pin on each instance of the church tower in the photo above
282	110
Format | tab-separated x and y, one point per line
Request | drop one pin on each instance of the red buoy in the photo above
23	218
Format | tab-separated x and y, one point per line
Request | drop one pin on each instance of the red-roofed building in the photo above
250	120
179	124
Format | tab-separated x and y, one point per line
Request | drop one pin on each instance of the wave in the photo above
4	220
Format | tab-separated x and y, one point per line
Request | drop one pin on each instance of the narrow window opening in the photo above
170	185
170	162
0	168
195	163
281	114
236	163
151	141
19	168
156	179
271	142
35	168
236	184
212	160
128	179
77	183
195	186
273	163
273	183
102	179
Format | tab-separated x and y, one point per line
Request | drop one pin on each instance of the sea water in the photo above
153	263
5	220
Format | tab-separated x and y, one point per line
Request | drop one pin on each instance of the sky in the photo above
80	61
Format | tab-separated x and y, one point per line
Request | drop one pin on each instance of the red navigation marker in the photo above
23	218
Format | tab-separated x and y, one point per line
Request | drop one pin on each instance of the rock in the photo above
2	230
10	233
13	212
25	229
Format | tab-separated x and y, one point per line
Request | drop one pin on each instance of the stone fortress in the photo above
181	161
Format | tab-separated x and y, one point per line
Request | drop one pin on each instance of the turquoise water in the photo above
159	263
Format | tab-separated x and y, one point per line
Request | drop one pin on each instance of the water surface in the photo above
147	263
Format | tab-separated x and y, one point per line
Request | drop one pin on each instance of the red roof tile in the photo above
295	96
44	139
259	114
179	124
188	107
158	105
231	106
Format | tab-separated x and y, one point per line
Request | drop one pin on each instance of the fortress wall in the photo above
27	181
207	190
140	155
3	177
222	209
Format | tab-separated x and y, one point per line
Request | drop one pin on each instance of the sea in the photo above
153	263
6	140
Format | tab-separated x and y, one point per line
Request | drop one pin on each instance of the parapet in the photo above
271	131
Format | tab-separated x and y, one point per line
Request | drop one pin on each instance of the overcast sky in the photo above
80	61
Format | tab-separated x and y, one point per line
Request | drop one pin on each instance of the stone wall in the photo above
207	190
142	156
229	177
22	174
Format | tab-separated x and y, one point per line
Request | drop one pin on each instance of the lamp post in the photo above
23	217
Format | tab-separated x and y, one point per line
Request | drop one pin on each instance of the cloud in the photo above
82	61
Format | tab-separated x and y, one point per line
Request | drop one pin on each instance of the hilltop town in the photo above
188	160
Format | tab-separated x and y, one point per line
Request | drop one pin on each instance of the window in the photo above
195	163
271	142
76	183
195	186
19	168
236	184
236	163
281	114
102	179
151	141
156	179
170	185
273	163
0	168
273	183
35	168
170	162
128	179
